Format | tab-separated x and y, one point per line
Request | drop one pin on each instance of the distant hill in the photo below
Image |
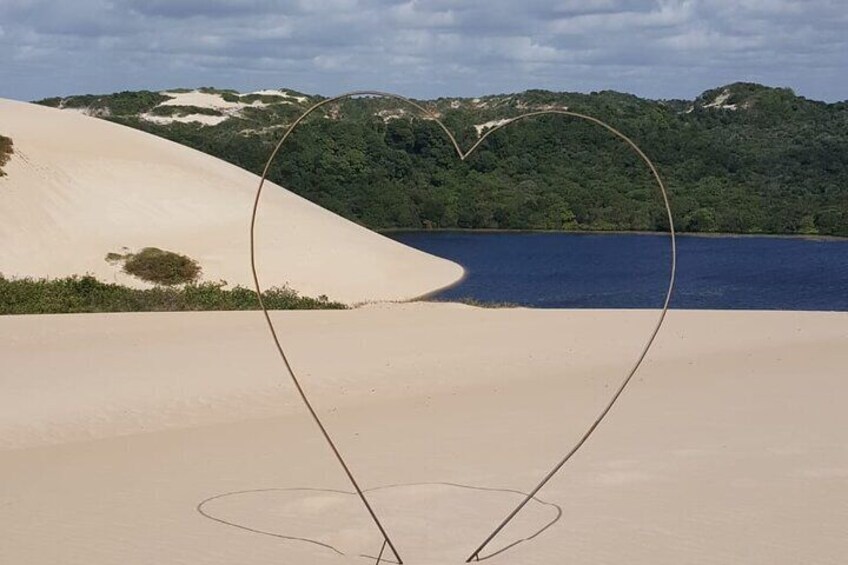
741	158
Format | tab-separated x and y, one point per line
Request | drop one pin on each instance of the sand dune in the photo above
729	448
78	188
176	439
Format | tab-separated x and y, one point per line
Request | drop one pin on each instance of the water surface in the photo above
568	270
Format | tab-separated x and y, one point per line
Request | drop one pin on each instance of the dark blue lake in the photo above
564	270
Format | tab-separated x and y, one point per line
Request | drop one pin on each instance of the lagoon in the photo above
591	270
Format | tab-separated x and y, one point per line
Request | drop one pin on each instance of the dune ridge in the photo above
78	188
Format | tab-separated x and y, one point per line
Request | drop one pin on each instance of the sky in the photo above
424	49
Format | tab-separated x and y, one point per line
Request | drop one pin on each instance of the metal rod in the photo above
279	346
380	555
476	554
463	155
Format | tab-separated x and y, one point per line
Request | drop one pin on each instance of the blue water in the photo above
559	270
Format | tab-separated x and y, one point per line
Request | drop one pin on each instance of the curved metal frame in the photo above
463	155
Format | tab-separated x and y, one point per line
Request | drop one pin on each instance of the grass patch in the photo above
6	150
88	295
155	265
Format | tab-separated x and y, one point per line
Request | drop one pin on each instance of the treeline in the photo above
86	295
742	159
125	103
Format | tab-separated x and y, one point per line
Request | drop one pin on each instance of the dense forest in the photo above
743	158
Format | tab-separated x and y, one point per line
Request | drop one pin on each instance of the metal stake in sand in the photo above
462	156
672	272
324	432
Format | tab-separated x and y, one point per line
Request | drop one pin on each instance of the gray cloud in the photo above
661	49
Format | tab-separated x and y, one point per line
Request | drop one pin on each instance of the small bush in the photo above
88	295
6	151
53	102
161	267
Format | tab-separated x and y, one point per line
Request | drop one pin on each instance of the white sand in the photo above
282	94
78	188
730	447
200	100
720	101
480	128
176	439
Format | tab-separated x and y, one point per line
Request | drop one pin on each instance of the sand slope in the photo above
78	188
729	448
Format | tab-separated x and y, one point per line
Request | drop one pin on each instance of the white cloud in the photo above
415	14
662	48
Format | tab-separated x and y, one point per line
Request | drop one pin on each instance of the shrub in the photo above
5	152
130	103
161	267
184	111
53	102
87	295
119	104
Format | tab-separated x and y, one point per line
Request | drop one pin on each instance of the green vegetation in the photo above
6	151
157	266
744	158
87	294
263	98
212	90
110	105
183	111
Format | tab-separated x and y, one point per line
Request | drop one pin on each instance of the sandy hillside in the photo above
78	188
171	438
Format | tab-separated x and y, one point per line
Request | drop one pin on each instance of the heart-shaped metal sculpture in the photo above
463	155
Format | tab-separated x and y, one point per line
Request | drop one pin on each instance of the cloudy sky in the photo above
423	48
